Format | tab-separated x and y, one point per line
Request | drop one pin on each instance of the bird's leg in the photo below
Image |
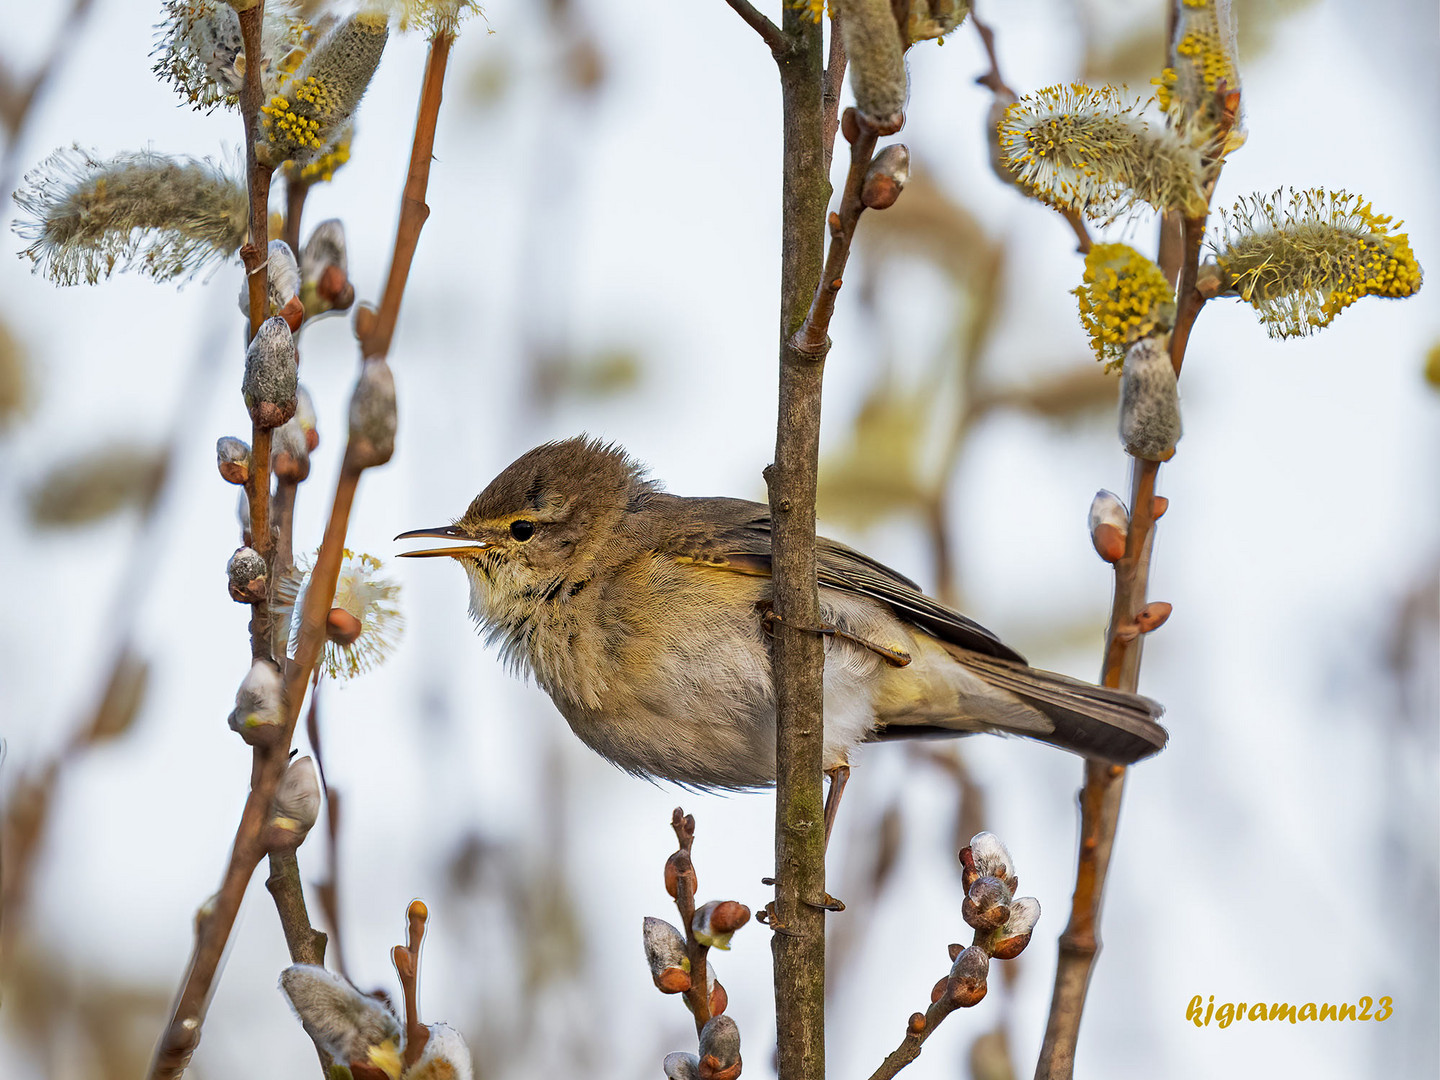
839	776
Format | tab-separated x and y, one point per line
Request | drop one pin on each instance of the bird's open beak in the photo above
448	532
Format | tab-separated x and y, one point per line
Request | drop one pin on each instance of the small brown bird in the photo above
645	618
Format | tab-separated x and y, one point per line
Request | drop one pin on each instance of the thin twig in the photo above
813	337
1104	784
916	1032
329	889
698	996
834	86
296	191
375	329
407	966
774	37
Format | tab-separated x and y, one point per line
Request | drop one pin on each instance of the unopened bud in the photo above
886	177
1109	526
305	416
1009	940
343	628
246	571
289	452
955	950
715	922
232	457
372	417
1149	400
877	62
719	1049
270	375
676	867
324	270
989	857
987	904
665	952
682	1066
282	276
296	806
719	999
353	1028
966	983
259	713
446	1057
1152	616
916	1024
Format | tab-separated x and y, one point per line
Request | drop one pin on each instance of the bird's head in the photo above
541	524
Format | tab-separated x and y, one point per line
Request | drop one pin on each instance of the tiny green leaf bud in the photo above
296	806
232	456
259	713
987	904
966	983
446	1057
886	177
290	452
1149	400
991	859
665	952
246	571
270	375
1009	940
1109	525
353	1028
716	922
719	1049
877	62
372	417
682	1066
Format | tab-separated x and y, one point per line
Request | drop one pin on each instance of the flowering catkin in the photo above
300	121
199	50
1300	263
1086	150
166	216
1124	297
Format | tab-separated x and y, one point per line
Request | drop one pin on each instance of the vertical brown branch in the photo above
375	329
799	941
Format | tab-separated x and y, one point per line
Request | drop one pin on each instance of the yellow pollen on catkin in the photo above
1124	298
1302	263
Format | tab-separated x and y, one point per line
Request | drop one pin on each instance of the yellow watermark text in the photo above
1201	1013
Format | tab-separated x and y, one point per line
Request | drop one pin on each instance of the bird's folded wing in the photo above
734	534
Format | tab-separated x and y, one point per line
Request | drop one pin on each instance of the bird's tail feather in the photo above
1093	721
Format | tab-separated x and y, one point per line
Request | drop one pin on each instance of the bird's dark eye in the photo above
522	530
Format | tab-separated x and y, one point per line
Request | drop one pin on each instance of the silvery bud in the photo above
305	413
965	985
665	952
324	270
271	377
987	904
247	573
259	713
987	856
446	1057
681	1066
1109	526
1009	940
886	177
290	452
719	1049
242	515
372	417
297	804
232	457
351	1027
1149	400
283	278
716	922
877	62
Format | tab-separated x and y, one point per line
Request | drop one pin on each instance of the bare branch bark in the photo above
778	40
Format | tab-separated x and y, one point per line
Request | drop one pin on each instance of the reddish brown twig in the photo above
698	996
772	35
374	329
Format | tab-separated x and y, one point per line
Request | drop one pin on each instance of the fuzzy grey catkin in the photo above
168	217
232	457
246	571
1149	400
340	1019
259	703
289	452
877	61
372	417
271	377
720	1041
297	799
282	276
445	1057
